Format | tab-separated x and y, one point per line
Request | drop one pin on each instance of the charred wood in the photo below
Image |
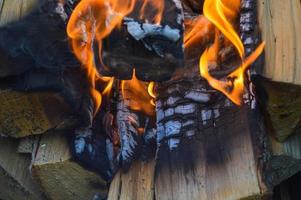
155	51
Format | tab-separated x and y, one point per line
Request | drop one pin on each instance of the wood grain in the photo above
218	164
59	176
280	23
16	182
23	114
137	184
11	10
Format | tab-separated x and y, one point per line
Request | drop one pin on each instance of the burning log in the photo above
280	30
149	38
59	176
15	177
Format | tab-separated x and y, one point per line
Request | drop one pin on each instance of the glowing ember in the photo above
92	21
221	13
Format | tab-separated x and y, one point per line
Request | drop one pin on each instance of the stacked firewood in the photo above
193	144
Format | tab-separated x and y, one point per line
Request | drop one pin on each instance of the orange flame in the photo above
92	21
138	94
220	13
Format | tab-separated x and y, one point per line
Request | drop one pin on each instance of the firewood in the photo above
137	184
285	159
59	176
281	103
12	10
16	182
27	145
206	147
280	22
23	114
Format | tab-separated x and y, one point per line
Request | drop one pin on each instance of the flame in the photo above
221	13
138	94
92	21
196	30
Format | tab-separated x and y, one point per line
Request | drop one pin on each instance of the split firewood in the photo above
281	104
136	184
23	114
27	145
288	152
13	10
16	182
59	176
281	32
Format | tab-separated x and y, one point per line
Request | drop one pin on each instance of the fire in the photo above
140	95
221	13
92	21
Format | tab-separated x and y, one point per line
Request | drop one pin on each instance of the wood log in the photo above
16	182
12	10
59	176
28	145
280	22
219	162
281	103
285	160
23	114
137	184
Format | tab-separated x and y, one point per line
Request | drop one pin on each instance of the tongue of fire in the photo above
93	20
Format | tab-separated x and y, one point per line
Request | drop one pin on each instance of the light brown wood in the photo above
16	182
280	23
137	184
218	164
23	114
11	10
59	176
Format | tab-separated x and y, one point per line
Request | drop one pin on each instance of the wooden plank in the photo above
218	164
59	176
23	114
136	184
11	10
16	182
280	22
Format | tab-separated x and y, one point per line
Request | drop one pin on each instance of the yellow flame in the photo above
137	92
220	13
92	21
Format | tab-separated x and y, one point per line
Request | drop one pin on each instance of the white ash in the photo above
173	128
188	123
160	132
172	100
206	115
190	133
173	143
197	96
80	142
140	31
185	109
169	112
